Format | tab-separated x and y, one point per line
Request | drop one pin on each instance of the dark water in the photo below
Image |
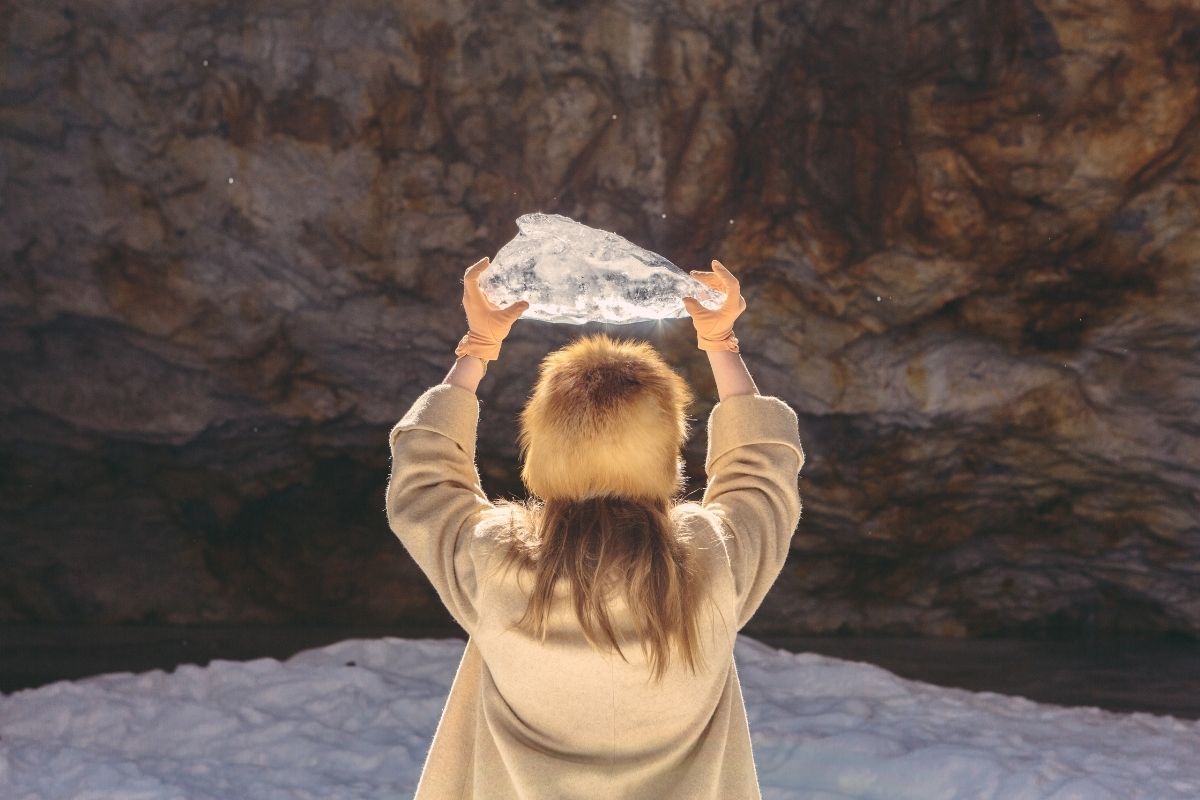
1152	675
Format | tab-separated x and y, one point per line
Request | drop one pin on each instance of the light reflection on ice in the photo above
570	272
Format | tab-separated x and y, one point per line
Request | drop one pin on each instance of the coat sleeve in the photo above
434	496
753	460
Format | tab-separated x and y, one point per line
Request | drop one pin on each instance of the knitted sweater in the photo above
559	719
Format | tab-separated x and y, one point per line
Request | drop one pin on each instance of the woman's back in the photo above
569	720
576	701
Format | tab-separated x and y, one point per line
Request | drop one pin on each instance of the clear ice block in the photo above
573	273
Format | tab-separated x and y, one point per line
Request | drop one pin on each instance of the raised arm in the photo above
434	498
754	454
753	461
730	373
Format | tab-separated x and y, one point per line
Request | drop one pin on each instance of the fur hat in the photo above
606	417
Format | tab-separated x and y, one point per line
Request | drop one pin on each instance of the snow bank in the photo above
354	720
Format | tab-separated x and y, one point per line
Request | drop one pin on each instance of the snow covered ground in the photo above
353	720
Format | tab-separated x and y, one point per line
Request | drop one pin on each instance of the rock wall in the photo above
233	235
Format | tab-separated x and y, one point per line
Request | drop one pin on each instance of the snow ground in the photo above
354	720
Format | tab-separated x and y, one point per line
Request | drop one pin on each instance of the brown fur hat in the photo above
606	417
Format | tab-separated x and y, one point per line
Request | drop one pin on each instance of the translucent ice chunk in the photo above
572	273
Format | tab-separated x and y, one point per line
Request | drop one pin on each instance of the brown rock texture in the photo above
233	235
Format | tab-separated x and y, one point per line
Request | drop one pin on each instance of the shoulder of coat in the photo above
701	523
501	518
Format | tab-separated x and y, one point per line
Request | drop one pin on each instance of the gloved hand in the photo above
714	328
487	323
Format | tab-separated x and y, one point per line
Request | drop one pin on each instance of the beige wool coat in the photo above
562	720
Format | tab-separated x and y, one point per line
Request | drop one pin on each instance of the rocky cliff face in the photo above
233	236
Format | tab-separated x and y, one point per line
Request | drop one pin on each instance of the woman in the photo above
601	613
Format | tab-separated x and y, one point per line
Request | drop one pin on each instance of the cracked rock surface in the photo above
233	235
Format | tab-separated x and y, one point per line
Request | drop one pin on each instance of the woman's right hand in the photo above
714	327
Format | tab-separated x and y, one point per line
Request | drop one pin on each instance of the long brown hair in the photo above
597	544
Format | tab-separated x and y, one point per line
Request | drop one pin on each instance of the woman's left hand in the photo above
487	323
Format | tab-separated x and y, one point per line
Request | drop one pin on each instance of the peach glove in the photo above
714	328
487	323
